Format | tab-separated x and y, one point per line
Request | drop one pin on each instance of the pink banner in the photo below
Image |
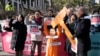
6	39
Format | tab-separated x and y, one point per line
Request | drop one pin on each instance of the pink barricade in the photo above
6	39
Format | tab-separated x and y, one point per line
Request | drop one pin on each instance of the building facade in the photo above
95	1
30	4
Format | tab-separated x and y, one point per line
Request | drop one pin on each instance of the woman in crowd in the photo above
36	34
52	35
69	21
18	35
71	24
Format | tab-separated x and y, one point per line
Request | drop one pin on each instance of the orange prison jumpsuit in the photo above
52	50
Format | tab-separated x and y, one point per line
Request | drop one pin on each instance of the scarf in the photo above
38	20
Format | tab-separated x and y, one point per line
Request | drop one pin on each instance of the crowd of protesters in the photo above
76	22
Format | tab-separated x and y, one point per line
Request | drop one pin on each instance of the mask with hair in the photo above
52	32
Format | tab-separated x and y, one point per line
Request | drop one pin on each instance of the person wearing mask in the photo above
71	26
47	26
48	19
35	23
53	42
19	33
82	32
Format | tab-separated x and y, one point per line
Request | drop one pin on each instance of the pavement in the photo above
2	53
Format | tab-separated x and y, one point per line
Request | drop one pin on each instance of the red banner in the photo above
6	39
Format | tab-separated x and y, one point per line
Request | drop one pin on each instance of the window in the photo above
32	2
24	1
37	2
20	6
15	5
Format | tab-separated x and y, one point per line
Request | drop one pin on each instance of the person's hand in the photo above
30	19
74	46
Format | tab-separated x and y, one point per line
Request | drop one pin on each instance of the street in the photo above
2	53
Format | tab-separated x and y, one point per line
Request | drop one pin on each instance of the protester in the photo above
69	22
50	13
95	21
78	25
71	26
36	22
8	21
19	33
68	15
61	39
48	19
82	32
52	43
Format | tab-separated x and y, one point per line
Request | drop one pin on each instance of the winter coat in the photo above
19	34
82	33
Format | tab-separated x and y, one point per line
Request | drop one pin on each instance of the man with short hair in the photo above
51	13
36	23
82	32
